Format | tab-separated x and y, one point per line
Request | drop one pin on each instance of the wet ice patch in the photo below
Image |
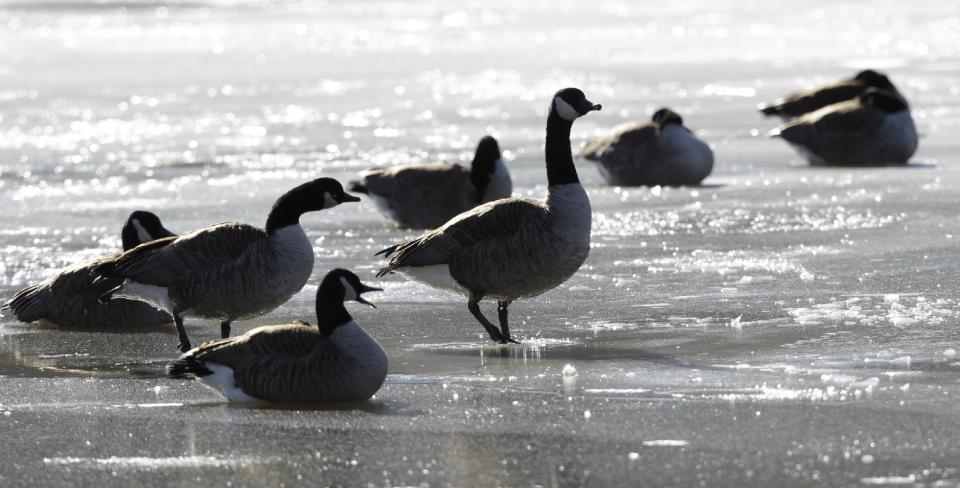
666	443
155	463
903	311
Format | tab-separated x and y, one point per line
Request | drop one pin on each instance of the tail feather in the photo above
108	295
29	304
388	251
185	366
770	110
358	187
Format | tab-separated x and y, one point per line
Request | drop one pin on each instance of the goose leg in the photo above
225	329
504	327
474	306
182	333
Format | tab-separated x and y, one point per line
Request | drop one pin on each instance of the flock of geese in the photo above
483	243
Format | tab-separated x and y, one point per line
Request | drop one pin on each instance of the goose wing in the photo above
499	219
162	261
839	121
414	177
628	143
271	362
805	102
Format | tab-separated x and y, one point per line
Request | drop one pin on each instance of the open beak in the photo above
364	289
346	197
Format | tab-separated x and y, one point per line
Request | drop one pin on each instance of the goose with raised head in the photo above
227	271
875	128
515	247
425	196
657	152
334	360
804	102
71	297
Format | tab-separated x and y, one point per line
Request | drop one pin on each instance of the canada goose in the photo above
874	128
802	102
70	298
515	247
334	360
659	152
227	271
425	196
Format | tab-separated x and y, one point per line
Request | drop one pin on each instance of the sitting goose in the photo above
874	128
332	361
425	196
71	298
803	102
227	271
515	247
659	152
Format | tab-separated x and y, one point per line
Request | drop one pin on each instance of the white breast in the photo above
294	252
570	212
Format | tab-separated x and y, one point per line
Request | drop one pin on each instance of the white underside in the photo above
222	381
437	276
158	296
383	205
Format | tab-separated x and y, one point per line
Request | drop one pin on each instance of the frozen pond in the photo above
779	325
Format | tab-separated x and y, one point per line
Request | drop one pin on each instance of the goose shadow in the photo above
908	165
569	352
385	408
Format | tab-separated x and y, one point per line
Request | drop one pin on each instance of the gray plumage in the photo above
803	102
71	298
505	250
875	128
515	247
425	196
334	360
657	152
228	271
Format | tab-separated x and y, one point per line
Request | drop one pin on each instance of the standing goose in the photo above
874	128
515	247
332	361
425	196
227	271
659	152
803	102
71	298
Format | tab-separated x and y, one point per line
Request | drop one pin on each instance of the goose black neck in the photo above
480	177
331	313
287	210
560	168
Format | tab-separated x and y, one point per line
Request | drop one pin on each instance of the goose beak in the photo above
346	197
587	106
365	289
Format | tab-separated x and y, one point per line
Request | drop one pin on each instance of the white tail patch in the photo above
437	276
222	381
158	296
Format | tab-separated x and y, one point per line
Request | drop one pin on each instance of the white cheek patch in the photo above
142	233
328	201
564	109
349	293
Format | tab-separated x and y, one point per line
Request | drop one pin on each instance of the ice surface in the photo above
781	325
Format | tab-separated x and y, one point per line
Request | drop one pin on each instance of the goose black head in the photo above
571	103
337	287
875	79
141	227
484	162
884	100
319	194
666	116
